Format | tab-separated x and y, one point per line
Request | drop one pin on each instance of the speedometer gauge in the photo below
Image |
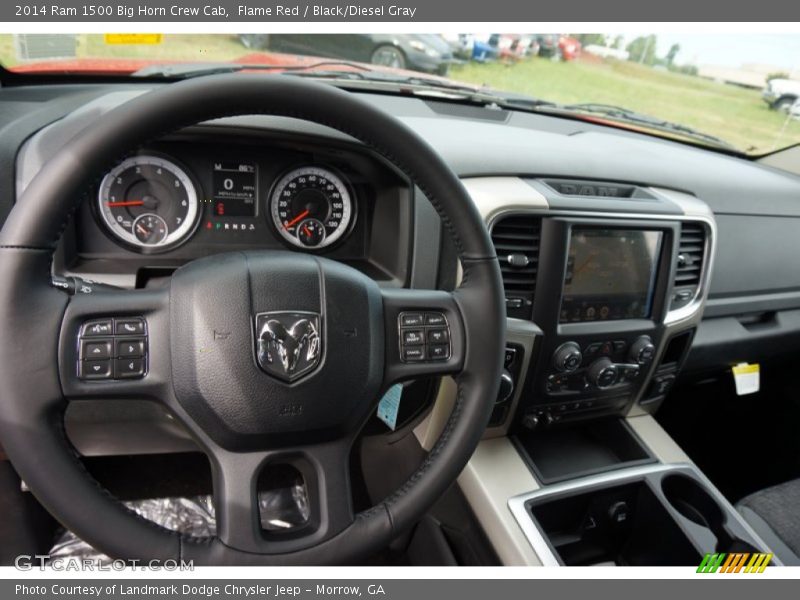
311	207
149	203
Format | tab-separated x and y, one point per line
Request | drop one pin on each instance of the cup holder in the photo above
692	500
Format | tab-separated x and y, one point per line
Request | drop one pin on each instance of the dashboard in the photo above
628	261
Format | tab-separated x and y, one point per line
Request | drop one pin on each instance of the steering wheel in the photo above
210	350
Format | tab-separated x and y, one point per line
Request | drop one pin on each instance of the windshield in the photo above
734	92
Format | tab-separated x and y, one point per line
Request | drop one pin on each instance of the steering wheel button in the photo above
97	328
435	319
95	369
439	352
95	349
132	348
411	320
129	327
414	354
128	367
413	337
438	336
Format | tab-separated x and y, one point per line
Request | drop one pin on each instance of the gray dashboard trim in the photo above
754	303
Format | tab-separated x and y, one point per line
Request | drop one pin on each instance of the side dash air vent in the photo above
689	265
516	242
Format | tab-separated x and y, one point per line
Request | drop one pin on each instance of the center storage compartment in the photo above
622	525
582	449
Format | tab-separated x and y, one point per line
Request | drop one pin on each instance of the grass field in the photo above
174	47
732	113
735	114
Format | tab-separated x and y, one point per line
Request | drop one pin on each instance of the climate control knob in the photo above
567	357
602	373
642	350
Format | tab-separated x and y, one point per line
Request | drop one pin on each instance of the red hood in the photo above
127	66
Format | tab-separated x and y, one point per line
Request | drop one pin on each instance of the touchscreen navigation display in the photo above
610	274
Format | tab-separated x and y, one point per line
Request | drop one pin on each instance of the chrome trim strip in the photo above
537	539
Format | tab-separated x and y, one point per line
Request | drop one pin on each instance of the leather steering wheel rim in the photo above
33	313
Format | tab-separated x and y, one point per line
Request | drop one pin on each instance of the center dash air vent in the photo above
516	242
689	265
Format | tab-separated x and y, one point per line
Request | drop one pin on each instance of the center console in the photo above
602	306
615	299
603	295
660	515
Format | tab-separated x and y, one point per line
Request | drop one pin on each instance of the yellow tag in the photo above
148	39
747	378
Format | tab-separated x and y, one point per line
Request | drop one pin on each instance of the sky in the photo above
734	50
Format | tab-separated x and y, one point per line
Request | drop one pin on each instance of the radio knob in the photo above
567	357
642	350
602	373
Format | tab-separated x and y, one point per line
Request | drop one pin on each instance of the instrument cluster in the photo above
153	203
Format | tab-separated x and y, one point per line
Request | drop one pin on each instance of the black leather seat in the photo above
774	513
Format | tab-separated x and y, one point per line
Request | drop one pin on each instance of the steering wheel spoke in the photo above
424	334
115	344
281	501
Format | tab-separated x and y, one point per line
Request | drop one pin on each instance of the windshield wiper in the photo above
396	82
189	70
631	116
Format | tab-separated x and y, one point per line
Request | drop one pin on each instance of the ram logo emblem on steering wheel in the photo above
288	344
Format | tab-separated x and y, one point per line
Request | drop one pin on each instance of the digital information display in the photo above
610	274
235	193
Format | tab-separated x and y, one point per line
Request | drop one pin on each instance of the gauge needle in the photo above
126	203
299	217
306	230
141	229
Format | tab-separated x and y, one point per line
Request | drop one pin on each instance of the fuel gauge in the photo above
311	233
150	229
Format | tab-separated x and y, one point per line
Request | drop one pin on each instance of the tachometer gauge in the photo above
311	207
149	203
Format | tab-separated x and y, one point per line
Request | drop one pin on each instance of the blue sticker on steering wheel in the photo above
389	406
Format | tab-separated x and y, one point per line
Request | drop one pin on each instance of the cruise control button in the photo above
95	369
129	327
438	336
508	360
414	354
97	327
128	367
95	349
411	320
413	337
133	348
435	319
439	352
